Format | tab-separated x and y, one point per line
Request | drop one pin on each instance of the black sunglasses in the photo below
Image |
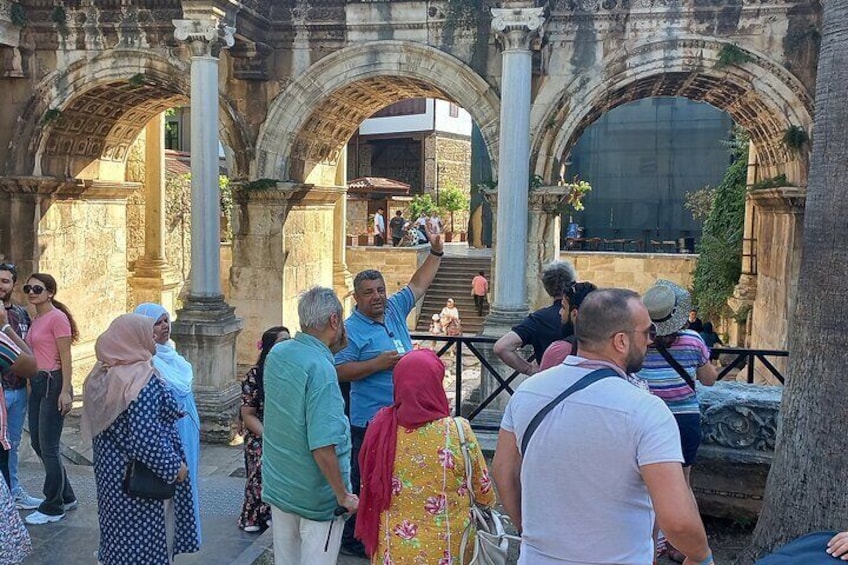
33	288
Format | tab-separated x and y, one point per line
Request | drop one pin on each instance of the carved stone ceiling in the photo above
328	128
104	121
743	104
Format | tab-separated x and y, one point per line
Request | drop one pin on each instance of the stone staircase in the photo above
453	280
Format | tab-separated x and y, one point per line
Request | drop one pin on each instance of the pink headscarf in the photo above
124	366
419	399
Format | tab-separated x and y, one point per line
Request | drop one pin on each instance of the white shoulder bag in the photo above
491	544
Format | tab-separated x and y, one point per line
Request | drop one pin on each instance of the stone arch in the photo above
93	110
311	120
759	94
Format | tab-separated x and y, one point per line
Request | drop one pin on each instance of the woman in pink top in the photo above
51	397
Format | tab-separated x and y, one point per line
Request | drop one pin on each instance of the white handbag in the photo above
491	545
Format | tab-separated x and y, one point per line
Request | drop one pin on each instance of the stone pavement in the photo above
221	486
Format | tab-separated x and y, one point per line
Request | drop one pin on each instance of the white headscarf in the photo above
171	365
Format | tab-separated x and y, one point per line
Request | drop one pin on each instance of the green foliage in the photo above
60	18
720	249
260	184
574	200
50	115
773	182
18	15
453	199
226	201
422	204
700	202
137	79
795	138
730	55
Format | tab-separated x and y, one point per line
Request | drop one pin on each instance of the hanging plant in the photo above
795	138
730	55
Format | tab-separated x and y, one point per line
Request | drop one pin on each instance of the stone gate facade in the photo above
283	85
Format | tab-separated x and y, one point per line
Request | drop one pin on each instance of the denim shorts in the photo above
690	436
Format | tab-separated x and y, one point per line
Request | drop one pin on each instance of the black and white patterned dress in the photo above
132	530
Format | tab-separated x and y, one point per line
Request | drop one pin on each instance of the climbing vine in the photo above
731	54
720	249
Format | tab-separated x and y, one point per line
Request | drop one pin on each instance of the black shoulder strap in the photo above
669	358
587	380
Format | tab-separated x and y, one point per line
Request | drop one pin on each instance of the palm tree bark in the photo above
807	488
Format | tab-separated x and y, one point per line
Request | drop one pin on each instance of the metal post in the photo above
458	411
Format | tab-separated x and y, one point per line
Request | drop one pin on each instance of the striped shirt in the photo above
691	352
8	355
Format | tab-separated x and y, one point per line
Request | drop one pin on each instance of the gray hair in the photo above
366	275
557	276
316	305
603	313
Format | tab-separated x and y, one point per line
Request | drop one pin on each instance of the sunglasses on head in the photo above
33	288
9	267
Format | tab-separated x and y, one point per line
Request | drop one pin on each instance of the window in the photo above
454	110
172	135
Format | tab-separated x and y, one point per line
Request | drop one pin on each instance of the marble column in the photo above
206	328
745	291
153	280
342	278
516	30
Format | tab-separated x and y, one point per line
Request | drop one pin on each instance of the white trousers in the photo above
298	541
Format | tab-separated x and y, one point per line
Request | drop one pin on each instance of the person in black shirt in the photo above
542	327
694	323
396	228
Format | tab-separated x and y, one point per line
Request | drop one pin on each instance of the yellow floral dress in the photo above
430	502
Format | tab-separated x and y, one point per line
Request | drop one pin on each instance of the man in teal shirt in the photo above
306	440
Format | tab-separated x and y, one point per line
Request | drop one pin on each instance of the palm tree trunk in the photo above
807	488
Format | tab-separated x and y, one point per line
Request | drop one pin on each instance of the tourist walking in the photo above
541	328
15	542
178	376
603	458
414	504
449	318
255	514
396	226
479	289
306	440
51	394
571	301
378	337
14	387
379	228
131	416
675	360
709	336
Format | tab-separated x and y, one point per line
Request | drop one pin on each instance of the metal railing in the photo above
461	344
746	357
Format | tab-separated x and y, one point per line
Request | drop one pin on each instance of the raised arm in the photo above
423	277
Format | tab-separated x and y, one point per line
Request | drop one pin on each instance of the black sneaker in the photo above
354	549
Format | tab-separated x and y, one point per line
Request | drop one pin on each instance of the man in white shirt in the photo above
379	228
603	460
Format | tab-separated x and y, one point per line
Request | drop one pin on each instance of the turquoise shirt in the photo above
304	411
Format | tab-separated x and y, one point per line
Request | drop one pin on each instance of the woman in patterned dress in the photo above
178	375
414	503
131	415
255	514
15	544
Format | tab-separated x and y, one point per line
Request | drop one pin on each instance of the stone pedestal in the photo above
205	332
543	238
780	224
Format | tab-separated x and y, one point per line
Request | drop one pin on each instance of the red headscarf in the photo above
419	399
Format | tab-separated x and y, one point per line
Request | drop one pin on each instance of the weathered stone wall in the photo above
84	247
636	271
397	265
448	163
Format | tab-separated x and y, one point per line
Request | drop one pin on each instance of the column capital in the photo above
549	199
205	36
518	29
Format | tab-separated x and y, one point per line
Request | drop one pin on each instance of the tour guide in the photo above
377	338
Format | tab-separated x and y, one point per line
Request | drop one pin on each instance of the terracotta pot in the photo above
349	240
363	239
448	236
463	236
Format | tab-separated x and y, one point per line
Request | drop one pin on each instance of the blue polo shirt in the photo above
304	411
366	340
